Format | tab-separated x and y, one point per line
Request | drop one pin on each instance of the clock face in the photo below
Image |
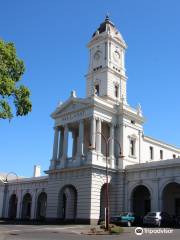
97	55
116	55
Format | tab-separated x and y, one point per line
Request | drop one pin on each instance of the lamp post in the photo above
107	141
6	180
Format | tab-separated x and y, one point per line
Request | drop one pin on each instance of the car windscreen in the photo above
151	214
124	213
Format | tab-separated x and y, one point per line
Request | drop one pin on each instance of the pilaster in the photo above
98	136
65	146
81	139
93	132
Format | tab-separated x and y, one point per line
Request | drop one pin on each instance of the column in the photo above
19	204
55	146
81	138
93	132
65	142
98	136
2	195
155	198
60	151
111	144
33	206
74	149
6	205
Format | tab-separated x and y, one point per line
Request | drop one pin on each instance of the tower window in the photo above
97	89
116	91
151	153
161	154
132	147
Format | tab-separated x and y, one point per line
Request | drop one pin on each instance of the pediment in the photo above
69	106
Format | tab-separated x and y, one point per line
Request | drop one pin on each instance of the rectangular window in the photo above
151	153
161	154
97	89
132	147
174	156
116	91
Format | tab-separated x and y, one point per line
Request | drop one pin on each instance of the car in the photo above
127	218
158	219
176	221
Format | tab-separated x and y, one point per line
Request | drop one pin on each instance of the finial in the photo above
107	17
60	103
73	93
139	109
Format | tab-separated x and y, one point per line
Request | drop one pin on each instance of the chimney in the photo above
37	171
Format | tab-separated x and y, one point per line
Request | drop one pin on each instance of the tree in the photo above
11	92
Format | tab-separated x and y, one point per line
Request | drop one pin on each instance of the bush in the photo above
113	229
102	224
93	230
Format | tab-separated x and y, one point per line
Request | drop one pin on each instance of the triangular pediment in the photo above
71	105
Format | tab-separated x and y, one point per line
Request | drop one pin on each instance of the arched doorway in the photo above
12	206
171	199
68	203
26	206
141	200
41	206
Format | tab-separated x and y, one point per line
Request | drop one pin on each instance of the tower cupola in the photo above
106	74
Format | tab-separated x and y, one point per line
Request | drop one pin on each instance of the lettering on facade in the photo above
74	116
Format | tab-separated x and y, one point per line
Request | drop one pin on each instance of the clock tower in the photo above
106	75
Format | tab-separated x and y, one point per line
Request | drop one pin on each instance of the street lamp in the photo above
6	180
5	186
107	141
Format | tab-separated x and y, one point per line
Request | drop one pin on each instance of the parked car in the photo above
176	221
127	218
158	219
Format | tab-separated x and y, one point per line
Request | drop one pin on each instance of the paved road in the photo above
73	232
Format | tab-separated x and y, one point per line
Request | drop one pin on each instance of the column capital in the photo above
66	126
111	124
93	118
81	121
99	119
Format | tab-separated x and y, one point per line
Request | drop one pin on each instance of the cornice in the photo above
107	37
80	168
161	143
163	164
107	69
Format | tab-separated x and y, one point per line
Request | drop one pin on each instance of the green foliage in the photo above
11	71
102	224
115	229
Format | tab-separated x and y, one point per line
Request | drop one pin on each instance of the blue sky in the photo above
51	38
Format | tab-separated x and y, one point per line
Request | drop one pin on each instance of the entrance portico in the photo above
87	142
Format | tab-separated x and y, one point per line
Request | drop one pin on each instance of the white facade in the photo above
74	187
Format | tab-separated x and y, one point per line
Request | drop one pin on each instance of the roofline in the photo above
161	142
